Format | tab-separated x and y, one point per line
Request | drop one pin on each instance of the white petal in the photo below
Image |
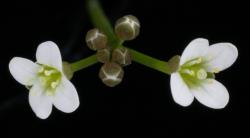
49	54
66	97
39	102
196	48
212	94
221	56
23	70
180	90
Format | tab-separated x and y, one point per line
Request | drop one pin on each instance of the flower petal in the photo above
180	90
49	54
221	56
66	98
212	94
23	70
39	102
196	48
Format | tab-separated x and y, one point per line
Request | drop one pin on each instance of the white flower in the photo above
195	76
49	86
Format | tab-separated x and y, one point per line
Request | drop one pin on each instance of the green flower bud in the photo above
67	70
103	55
111	74
127	27
121	56
96	40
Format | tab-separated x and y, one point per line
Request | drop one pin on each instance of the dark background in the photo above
142	104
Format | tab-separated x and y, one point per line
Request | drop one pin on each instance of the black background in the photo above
142	104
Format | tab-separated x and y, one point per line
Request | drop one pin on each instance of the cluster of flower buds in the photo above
113	59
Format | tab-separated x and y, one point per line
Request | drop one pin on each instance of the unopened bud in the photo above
111	74
121	56
103	55
127	27
96	40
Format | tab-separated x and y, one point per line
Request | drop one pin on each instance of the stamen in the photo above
216	70
41	70
193	62
189	72
54	84
48	72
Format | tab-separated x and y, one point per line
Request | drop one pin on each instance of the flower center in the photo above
193	72
50	78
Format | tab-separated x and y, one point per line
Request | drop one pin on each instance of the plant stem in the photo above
138	57
84	63
149	61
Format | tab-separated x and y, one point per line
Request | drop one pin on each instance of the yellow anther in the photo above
194	62
48	72
216	70
199	60
189	72
54	84
41	70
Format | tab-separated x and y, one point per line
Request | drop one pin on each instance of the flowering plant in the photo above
192	74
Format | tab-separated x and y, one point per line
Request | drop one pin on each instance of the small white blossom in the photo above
195	76
49	86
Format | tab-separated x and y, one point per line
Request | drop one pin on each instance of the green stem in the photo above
149	61
84	63
138	57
